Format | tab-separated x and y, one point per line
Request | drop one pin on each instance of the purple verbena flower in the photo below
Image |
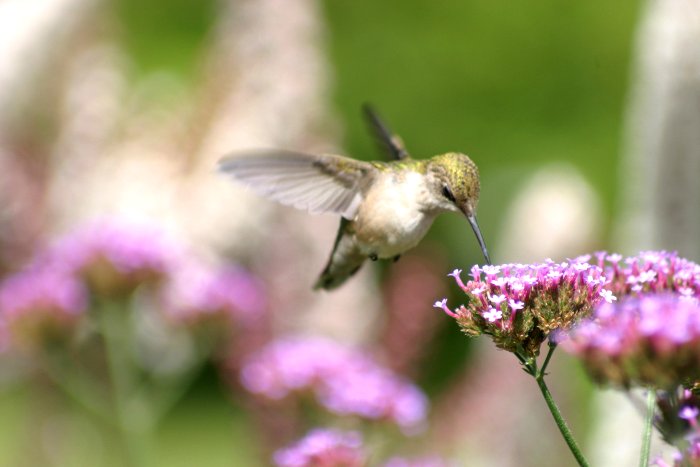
457	276
343	380
198	294
493	315
518	305
689	456
651	271
39	307
557	295
689	413
676	414
442	304
607	295
324	448
426	461
115	256
652	340
497	299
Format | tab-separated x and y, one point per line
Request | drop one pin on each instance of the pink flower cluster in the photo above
345	381
677	414
677	421
688	457
39	306
114	257
520	304
426	461
198	293
111	259
324	448
651	340
650	272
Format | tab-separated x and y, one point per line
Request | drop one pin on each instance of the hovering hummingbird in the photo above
386	207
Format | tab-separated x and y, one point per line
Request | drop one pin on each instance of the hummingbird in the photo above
386	208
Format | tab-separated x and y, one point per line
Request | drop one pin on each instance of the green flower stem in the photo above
561	423
76	387
114	324
530	364
648	420
172	393
552	346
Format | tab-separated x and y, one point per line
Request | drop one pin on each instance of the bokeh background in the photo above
582	118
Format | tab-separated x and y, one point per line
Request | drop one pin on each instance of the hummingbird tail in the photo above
344	262
336	273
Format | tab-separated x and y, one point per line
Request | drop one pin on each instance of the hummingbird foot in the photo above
396	258
373	256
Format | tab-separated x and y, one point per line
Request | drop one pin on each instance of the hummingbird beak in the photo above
475	226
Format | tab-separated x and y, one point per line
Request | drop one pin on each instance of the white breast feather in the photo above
393	217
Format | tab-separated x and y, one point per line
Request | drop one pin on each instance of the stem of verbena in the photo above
114	324
552	346
561	423
648	420
77	388
538	373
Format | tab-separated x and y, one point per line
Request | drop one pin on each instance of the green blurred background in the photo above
512	85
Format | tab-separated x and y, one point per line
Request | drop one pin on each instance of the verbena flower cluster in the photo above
343	380
651	340
327	447
688	457
426	461
324	448
197	293
652	272
114	257
40	306
676	415
107	261
519	305
679	425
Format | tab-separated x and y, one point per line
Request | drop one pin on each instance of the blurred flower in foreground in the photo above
324	448
429	461
112	285
651	271
650	340
114	257
345	381
518	305
688	457
214	299
40	307
677	415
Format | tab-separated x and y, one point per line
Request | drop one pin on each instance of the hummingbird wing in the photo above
316	183
389	141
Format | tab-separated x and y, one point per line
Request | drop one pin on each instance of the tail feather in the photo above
335	274
344	262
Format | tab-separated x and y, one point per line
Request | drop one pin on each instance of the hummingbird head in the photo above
453	179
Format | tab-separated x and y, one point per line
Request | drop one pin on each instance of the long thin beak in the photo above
475	226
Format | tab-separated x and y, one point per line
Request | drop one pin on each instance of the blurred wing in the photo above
316	183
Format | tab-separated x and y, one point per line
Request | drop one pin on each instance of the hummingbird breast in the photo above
395	214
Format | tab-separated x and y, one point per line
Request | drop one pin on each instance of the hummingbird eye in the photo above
447	193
